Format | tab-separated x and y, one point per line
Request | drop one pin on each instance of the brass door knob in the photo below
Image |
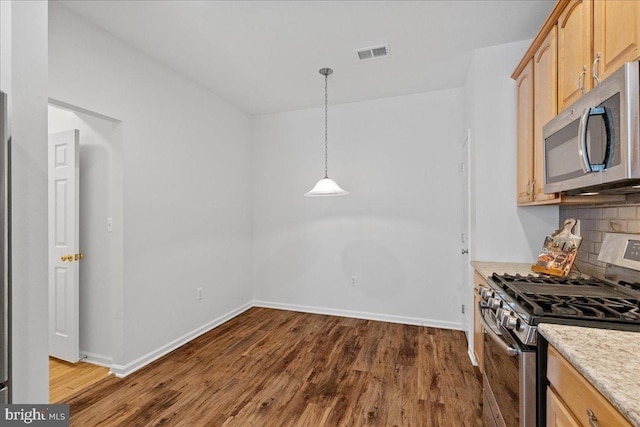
68	257
79	256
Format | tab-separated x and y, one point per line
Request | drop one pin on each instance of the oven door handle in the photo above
510	351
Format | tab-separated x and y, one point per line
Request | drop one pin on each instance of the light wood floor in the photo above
280	368
66	379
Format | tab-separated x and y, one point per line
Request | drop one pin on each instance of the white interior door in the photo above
64	320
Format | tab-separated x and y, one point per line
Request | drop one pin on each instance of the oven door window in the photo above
502	372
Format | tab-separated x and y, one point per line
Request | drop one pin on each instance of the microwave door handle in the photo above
587	166
584	151
605	112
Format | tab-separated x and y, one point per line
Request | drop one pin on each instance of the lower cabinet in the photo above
573	401
558	415
477	325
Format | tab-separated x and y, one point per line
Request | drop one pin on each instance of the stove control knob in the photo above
504	316
494	303
486	294
519	325
510	321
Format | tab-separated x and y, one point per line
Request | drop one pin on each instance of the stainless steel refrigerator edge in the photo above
4	252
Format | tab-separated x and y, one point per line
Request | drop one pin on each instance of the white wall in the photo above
23	75
397	231
500	231
503	231
186	185
101	248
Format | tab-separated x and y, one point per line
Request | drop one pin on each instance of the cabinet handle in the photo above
528	185
581	79
596	63
593	420
533	188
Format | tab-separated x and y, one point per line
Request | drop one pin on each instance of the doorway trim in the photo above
116	258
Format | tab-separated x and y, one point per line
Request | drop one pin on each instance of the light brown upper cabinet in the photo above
574	52
612	27
580	43
525	134
616	35
537	104
545	107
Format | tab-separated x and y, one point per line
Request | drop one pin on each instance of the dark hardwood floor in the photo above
281	368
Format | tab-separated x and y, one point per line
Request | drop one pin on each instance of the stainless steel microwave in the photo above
593	146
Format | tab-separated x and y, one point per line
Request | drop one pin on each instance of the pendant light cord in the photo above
326	102
326	186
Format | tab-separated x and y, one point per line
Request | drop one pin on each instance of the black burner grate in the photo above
585	307
546	280
562	297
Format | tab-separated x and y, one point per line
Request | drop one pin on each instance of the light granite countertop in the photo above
610	360
486	269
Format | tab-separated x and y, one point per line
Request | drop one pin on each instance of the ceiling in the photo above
264	56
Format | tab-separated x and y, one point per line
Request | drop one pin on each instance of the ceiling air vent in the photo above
373	52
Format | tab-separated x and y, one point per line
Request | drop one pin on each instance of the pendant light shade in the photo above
326	186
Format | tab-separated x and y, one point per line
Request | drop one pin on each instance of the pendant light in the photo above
326	186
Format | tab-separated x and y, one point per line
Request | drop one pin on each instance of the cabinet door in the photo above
477	332
558	415
525	134
574	52
546	106
578	395
616	34
477	325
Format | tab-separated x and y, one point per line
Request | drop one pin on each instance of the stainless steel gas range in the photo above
513	306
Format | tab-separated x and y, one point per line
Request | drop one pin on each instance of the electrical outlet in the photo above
354	281
199	295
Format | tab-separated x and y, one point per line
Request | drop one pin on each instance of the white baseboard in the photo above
474	362
96	359
122	371
362	315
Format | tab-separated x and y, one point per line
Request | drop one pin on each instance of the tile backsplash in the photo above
594	222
